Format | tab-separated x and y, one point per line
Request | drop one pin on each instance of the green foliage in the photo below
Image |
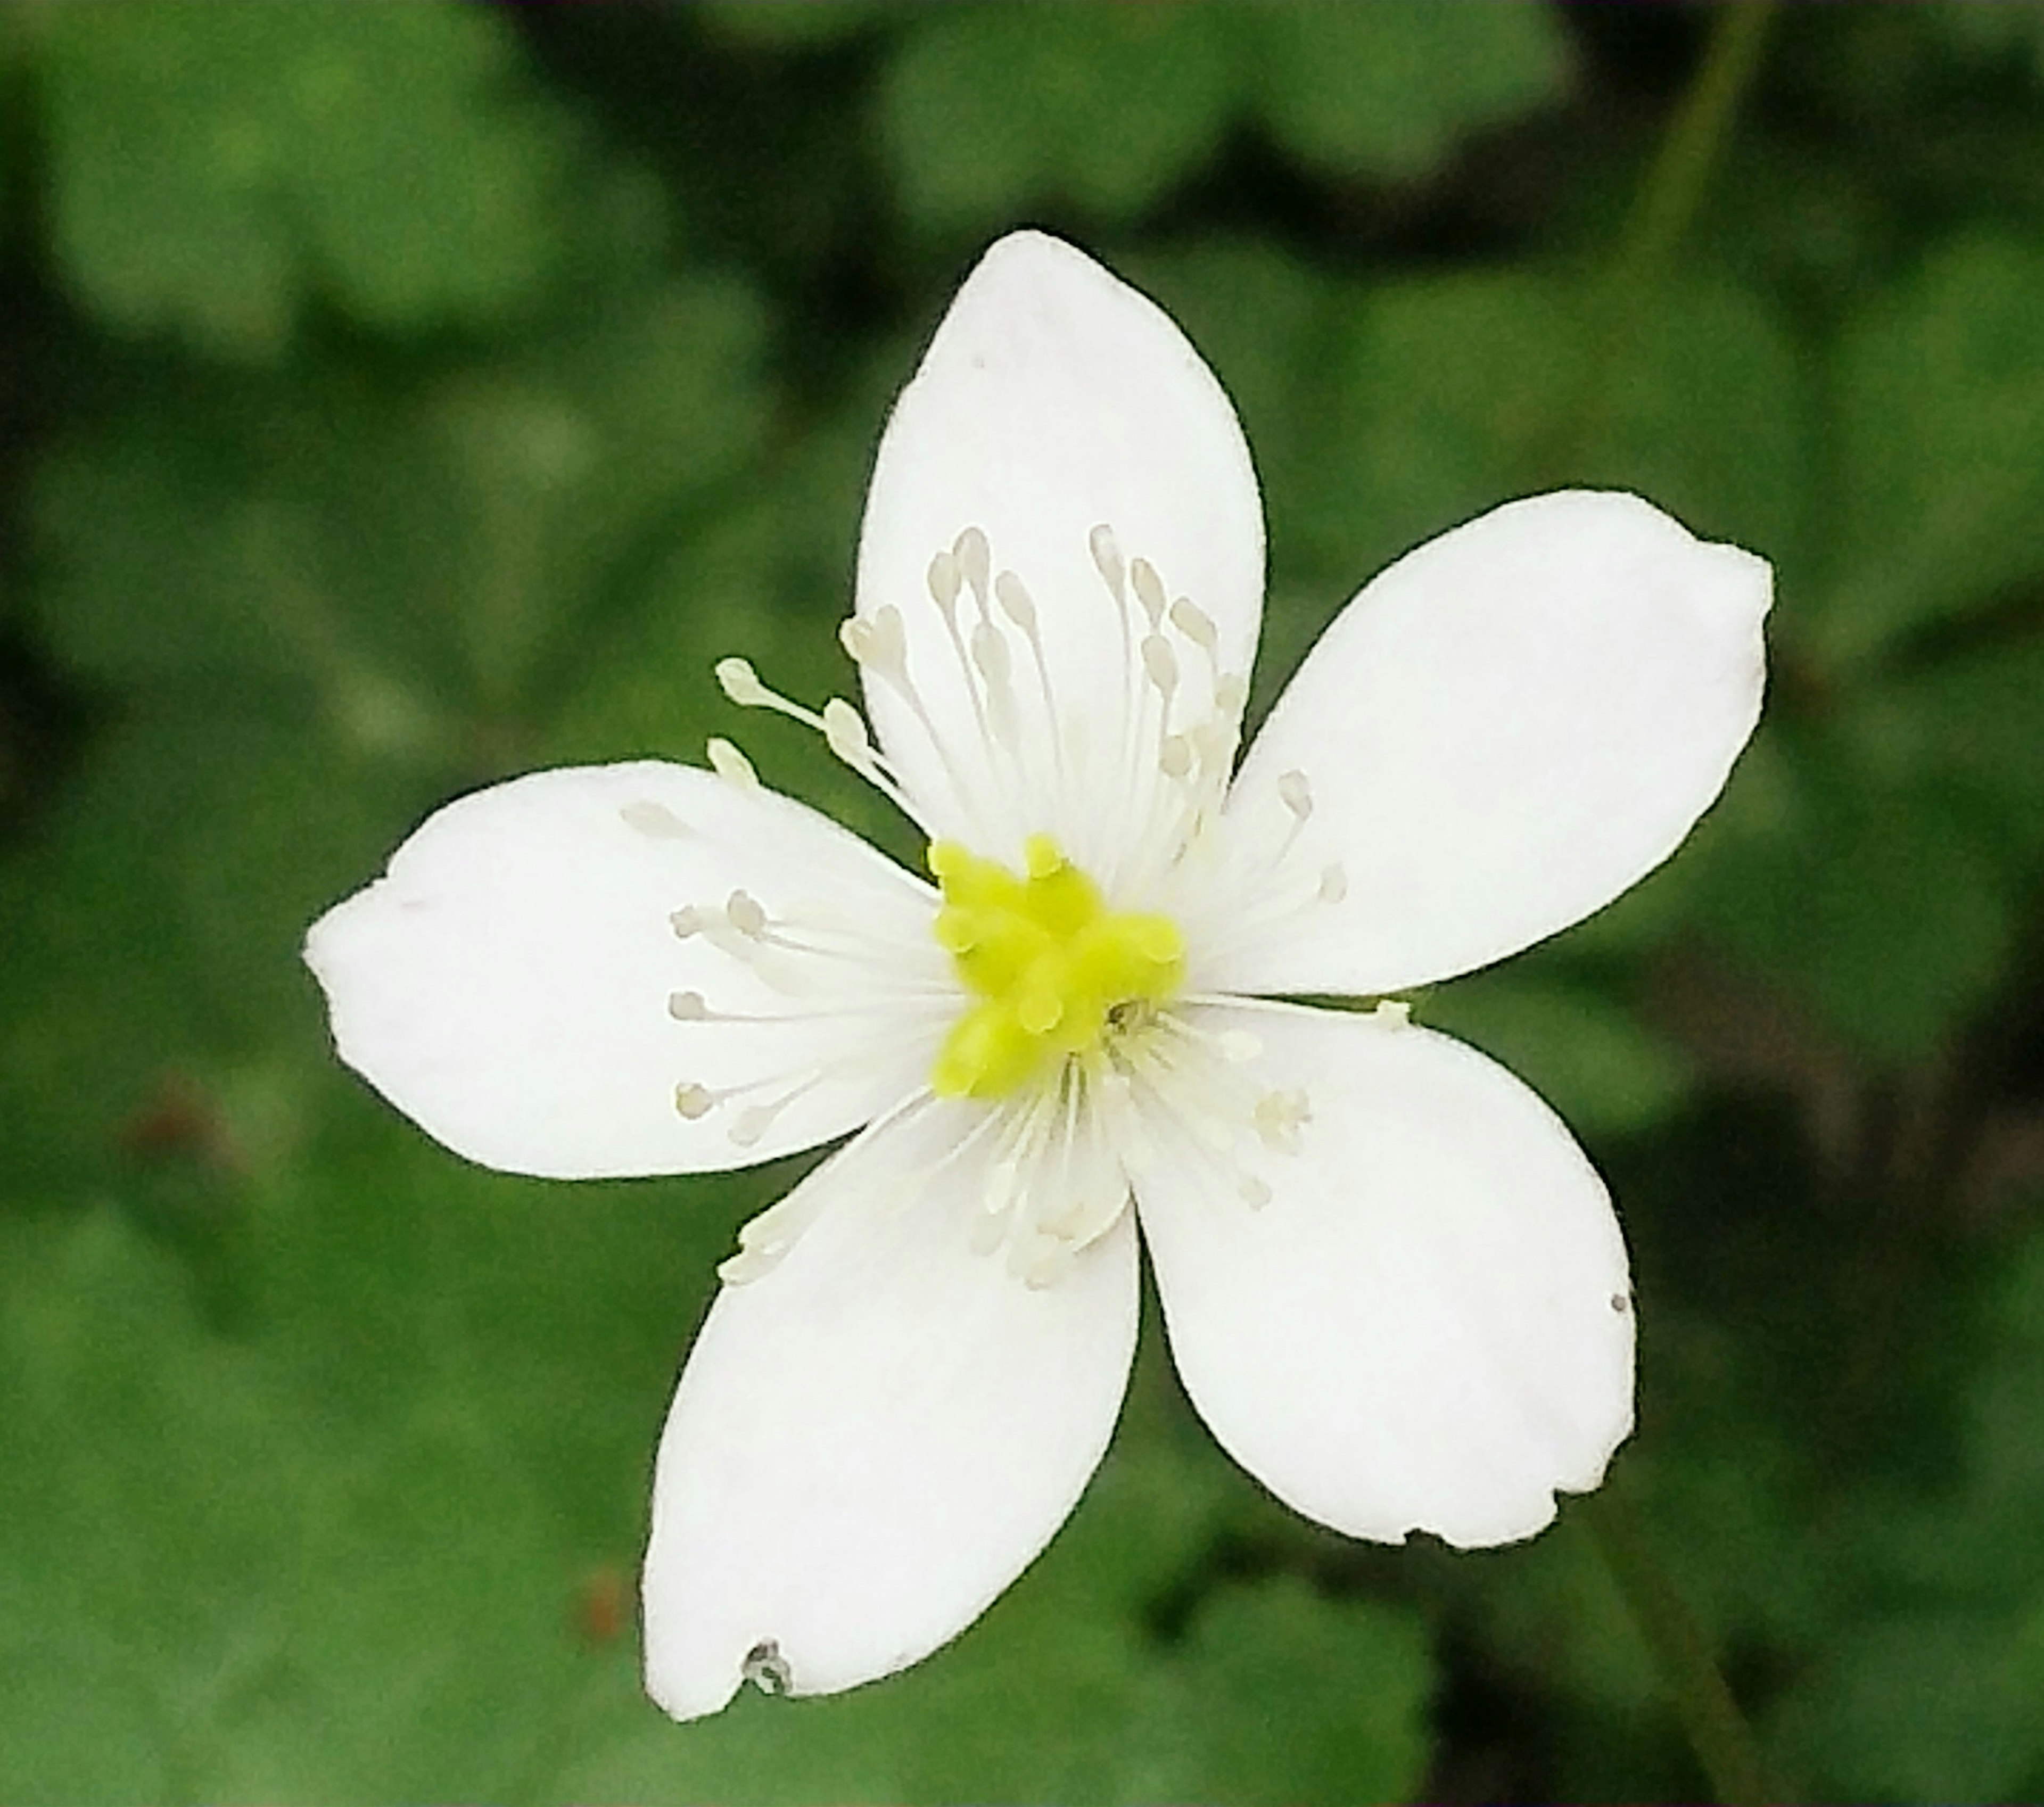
214	168
367	437
990	111
1941	447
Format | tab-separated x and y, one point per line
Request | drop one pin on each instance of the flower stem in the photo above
1718	1733
1661	214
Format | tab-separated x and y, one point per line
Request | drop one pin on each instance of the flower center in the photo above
1056	971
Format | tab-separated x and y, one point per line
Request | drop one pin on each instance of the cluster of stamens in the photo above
1069	1018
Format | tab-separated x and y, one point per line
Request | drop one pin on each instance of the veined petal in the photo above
1055	399
873	1439
1502	732
1429	1325
510	983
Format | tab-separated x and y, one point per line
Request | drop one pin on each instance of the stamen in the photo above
879	641
1015	601
687	1007
693	1100
1149	589
1174	758
1107	559
844	732
1196	625
1161	665
686	921
1334	884
741	683
745	915
1295	794
944	579
730	765
974	561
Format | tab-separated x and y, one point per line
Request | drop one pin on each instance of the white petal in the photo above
1054	399
507	983
1502	732
1429	1325
874	1439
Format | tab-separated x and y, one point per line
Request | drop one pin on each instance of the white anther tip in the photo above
687	1007
1107	560
1149	589
746	914
686	921
944	579
740	682
1195	623
1160	663
730	765
1295	795
693	1100
1015	601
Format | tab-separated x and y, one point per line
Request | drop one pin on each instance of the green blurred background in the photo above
393	398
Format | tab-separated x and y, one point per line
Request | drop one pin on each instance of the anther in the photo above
744	913
1231	693
1106	551
741	683
989	653
1334	884
877	641
1278	1118
845	730
686	921
687	1007
1196	625
1255	1194
944	579
1161	663
1295	794
753	1122
693	1100
1175	756
1014	598
1149	589
974	560
730	765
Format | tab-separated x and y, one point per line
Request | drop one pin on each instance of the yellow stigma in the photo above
1052	965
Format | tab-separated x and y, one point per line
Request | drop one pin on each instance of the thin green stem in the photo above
1718	1732
1661	215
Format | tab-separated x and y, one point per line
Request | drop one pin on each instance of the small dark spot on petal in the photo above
767	1669
1620	1303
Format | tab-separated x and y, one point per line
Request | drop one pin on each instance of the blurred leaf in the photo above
991	112
1940	386
212	166
1604	1072
1444	396
457	531
1931	1692
1279	1695
789	24
1971	729
153	935
1387	89
1872	900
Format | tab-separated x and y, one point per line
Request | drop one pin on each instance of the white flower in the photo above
1392	1283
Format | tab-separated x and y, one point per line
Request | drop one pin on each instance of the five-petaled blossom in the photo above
1392	1283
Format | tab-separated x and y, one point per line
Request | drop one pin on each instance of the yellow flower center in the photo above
1055	970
